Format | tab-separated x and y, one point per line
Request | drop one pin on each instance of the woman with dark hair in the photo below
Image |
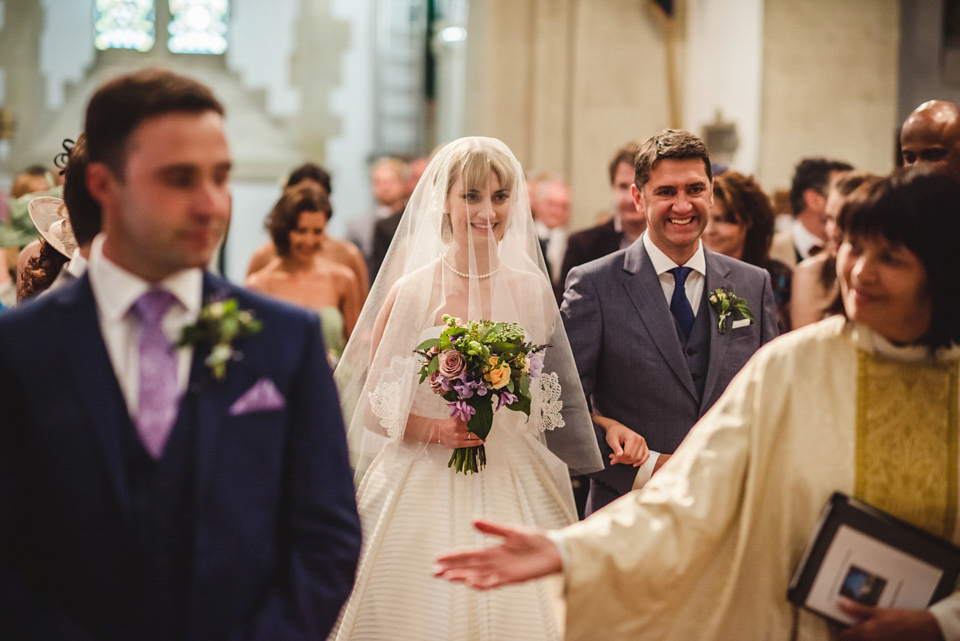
300	275
815	278
67	228
339	251
707	548
741	226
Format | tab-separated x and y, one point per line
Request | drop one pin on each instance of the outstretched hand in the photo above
525	553
888	624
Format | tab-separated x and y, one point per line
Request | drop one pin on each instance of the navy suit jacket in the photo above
275	531
589	244
629	354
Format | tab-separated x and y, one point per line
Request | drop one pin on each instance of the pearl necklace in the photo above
462	275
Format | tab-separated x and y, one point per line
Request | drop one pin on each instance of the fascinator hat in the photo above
49	215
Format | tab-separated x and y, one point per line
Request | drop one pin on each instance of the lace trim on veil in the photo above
547	408
390	399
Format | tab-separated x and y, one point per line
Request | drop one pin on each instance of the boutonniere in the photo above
218	325
726	302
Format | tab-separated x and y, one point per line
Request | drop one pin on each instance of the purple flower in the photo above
506	398
463	386
438	383
461	410
534	364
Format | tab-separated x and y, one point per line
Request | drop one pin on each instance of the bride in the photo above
466	246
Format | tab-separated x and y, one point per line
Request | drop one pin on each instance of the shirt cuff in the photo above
645	471
557	538
947	614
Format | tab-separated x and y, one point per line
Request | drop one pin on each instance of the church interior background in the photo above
563	82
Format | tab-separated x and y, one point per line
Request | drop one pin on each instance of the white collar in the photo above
77	264
662	263
803	240
115	289
869	341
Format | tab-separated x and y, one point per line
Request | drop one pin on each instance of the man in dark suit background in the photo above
650	354
146	493
624	227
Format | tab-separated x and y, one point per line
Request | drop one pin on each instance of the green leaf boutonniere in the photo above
726	302
218	325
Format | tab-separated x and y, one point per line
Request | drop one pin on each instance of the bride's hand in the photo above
453	433
628	447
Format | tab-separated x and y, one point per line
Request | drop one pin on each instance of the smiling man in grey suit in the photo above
646	338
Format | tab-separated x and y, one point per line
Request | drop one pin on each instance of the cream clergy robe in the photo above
707	548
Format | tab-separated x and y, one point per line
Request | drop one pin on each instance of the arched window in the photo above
124	24
198	26
193	26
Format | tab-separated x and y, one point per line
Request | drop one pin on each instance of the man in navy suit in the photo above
146	493
646	338
624	227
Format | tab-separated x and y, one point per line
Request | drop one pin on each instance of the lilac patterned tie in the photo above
157	403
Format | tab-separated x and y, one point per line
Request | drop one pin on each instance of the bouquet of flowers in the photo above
480	367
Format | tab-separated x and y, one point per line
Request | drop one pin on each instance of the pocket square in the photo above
262	396
743	322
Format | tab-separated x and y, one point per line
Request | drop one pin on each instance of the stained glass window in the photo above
124	24
198	26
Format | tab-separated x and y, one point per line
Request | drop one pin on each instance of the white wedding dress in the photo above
413	507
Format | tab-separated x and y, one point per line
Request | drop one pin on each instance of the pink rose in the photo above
438	384
451	363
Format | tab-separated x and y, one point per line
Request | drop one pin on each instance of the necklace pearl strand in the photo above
462	275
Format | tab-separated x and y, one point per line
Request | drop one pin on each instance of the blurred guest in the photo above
552	217
300	275
808	197
29	183
315	177
865	404
389	178
815	279
931	136
624	227
416	168
740	225
67	229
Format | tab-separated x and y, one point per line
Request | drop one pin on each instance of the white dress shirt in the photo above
115	290
803	240
696	279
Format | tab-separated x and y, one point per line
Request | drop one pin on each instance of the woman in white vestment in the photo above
865	404
466	246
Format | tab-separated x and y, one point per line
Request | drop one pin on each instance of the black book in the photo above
868	556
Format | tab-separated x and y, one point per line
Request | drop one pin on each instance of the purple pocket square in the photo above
263	396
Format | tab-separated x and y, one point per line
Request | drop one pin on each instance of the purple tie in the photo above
157	403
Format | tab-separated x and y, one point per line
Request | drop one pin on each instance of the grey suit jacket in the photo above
629	355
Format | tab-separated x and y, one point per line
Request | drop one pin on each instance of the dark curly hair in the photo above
285	215
746	204
40	271
310	171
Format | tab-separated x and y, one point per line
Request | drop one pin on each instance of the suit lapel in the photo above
207	401
644	289
96	381
716	279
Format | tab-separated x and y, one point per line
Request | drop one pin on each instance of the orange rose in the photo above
498	375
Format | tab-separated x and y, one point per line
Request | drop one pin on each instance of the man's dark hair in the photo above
120	105
626	154
285	215
310	171
919	210
673	144
82	208
812	173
